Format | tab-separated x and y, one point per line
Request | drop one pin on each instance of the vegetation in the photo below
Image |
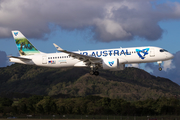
130	84
89	105
73	91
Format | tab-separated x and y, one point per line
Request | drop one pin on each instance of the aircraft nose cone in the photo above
171	56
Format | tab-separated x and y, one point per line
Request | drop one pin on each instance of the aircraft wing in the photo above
21	58
81	57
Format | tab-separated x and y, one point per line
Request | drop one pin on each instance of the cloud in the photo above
3	59
110	20
171	69
168	65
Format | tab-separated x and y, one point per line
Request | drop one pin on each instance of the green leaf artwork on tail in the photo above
25	47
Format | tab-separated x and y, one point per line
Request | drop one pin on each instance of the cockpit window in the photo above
163	50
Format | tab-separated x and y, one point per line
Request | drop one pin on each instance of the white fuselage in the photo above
127	55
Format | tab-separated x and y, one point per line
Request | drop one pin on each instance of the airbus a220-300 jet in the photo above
108	59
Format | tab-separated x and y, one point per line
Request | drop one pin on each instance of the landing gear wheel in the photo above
160	68
94	69
91	73
96	73
159	62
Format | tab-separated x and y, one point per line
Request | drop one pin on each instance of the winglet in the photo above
57	47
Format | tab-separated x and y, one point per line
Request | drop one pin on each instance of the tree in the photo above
115	106
15	109
40	109
5	102
32	108
53	107
23	108
105	102
1	109
61	109
47	107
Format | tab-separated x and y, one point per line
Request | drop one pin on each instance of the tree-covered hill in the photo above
130	84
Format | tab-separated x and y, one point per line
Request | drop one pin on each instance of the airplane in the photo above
108	59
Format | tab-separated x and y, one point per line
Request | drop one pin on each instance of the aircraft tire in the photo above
96	73
91	73
160	69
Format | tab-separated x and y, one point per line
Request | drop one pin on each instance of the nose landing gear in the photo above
160	68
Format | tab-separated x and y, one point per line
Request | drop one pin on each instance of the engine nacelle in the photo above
113	64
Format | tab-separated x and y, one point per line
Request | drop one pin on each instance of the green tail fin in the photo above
25	48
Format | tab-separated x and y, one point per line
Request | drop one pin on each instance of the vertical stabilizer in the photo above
25	48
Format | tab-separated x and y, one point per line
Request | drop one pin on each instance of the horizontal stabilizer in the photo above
21	58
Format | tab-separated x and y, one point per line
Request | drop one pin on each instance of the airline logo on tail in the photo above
23	45
15	33
142	53
111	63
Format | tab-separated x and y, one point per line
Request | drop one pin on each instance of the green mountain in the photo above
130	84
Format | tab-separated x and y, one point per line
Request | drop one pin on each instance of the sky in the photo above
91	24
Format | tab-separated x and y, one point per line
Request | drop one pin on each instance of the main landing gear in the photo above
160	68
94	70
96	73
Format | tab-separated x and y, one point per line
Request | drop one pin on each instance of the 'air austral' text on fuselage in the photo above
107	52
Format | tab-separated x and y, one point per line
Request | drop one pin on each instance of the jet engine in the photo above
113	64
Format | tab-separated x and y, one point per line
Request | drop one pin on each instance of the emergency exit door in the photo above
152	52
44	60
